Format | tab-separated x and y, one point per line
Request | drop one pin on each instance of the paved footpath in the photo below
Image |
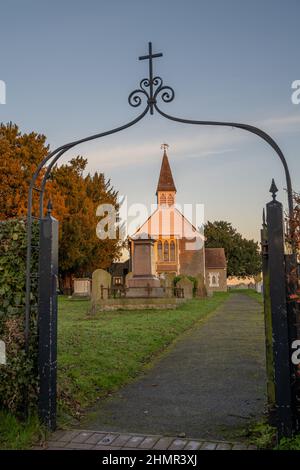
89	440
208	386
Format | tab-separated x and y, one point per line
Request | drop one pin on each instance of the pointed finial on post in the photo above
49	207
273	189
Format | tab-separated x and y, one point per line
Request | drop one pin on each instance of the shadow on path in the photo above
209	385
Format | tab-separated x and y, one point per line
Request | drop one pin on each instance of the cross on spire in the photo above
164	147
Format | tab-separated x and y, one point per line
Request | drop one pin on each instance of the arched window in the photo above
170	199
159	250
214	279
172	251
166	251
163	199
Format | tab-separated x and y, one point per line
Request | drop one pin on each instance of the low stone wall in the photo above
135	304
80	296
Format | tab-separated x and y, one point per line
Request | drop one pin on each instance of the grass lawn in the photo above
97	355
16	435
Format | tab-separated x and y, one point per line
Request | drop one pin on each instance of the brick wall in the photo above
191	261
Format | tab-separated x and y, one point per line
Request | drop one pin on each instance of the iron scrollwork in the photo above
152	89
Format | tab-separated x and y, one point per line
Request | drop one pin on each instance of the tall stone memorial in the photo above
144	282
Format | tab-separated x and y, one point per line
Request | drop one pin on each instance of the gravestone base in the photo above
145	292
136	304
144	287
144	281
77	296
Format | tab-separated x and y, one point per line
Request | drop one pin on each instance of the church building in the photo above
178	246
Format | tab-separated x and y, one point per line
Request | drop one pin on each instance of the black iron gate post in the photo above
47	319
268	322
280	334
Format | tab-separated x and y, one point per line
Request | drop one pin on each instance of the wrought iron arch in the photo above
150	91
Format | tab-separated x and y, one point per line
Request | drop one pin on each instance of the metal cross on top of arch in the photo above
150	92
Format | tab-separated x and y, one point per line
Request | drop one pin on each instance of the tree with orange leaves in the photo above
75	198
19	156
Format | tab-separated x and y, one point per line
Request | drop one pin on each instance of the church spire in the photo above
165	182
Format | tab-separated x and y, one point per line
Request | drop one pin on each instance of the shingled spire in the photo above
165	188
165	182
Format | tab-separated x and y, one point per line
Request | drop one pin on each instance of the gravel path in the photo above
208	385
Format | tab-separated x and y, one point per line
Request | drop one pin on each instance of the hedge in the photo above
18	377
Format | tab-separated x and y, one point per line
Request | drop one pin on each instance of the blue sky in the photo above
70	65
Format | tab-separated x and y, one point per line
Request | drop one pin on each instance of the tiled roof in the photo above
215	258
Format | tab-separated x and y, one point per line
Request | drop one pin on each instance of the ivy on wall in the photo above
18	377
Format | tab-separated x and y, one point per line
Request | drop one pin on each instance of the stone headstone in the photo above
187	286
168	285
82	287
101	282
201	288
